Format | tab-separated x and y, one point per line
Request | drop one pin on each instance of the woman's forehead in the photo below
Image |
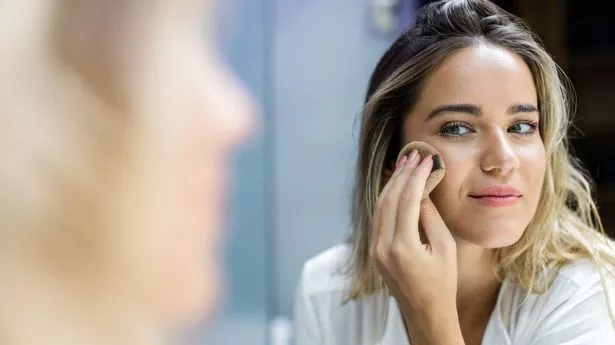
477	71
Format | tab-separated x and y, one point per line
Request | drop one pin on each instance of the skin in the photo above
191	112
210	114
162	204
445	288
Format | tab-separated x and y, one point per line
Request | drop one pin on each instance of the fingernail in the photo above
426	159
438	162
413	156
402	162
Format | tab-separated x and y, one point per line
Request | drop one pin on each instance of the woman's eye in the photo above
455	130
523	128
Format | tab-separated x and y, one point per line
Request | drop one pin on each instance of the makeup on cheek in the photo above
424	150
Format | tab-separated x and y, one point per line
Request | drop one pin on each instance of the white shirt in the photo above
572	312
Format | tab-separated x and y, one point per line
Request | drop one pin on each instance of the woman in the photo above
508	248
117	121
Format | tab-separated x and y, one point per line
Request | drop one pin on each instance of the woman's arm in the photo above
434	328
421	276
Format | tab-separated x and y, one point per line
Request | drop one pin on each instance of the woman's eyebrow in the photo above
473	109
466	108
522	108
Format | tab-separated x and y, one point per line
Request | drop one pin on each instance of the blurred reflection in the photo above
117	123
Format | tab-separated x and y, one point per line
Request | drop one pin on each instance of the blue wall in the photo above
307	63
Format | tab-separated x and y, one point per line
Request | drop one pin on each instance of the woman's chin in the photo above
193	301
492	238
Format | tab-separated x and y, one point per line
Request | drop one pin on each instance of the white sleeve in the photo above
580	317
307	329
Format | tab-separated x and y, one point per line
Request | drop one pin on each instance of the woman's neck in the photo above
477	285
38	309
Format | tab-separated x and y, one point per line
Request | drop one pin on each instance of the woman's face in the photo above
190	113
479	109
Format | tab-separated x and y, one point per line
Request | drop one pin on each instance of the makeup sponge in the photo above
437	171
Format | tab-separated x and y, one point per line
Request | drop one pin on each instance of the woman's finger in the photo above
435	229
395	174
389	199
410	204
376	225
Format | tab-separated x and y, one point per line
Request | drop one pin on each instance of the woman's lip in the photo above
497	190
496	200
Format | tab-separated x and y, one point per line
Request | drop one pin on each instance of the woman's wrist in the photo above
434	327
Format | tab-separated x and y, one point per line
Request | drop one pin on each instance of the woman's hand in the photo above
420	269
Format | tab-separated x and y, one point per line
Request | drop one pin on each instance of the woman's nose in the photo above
499	156
234	109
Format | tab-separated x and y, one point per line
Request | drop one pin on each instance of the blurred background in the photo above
308	64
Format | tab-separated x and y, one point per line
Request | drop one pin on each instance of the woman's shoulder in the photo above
326	272
579	273
571	278
325	282
323	315
575	300
574	279
580	279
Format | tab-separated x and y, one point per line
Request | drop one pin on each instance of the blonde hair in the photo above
566	225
